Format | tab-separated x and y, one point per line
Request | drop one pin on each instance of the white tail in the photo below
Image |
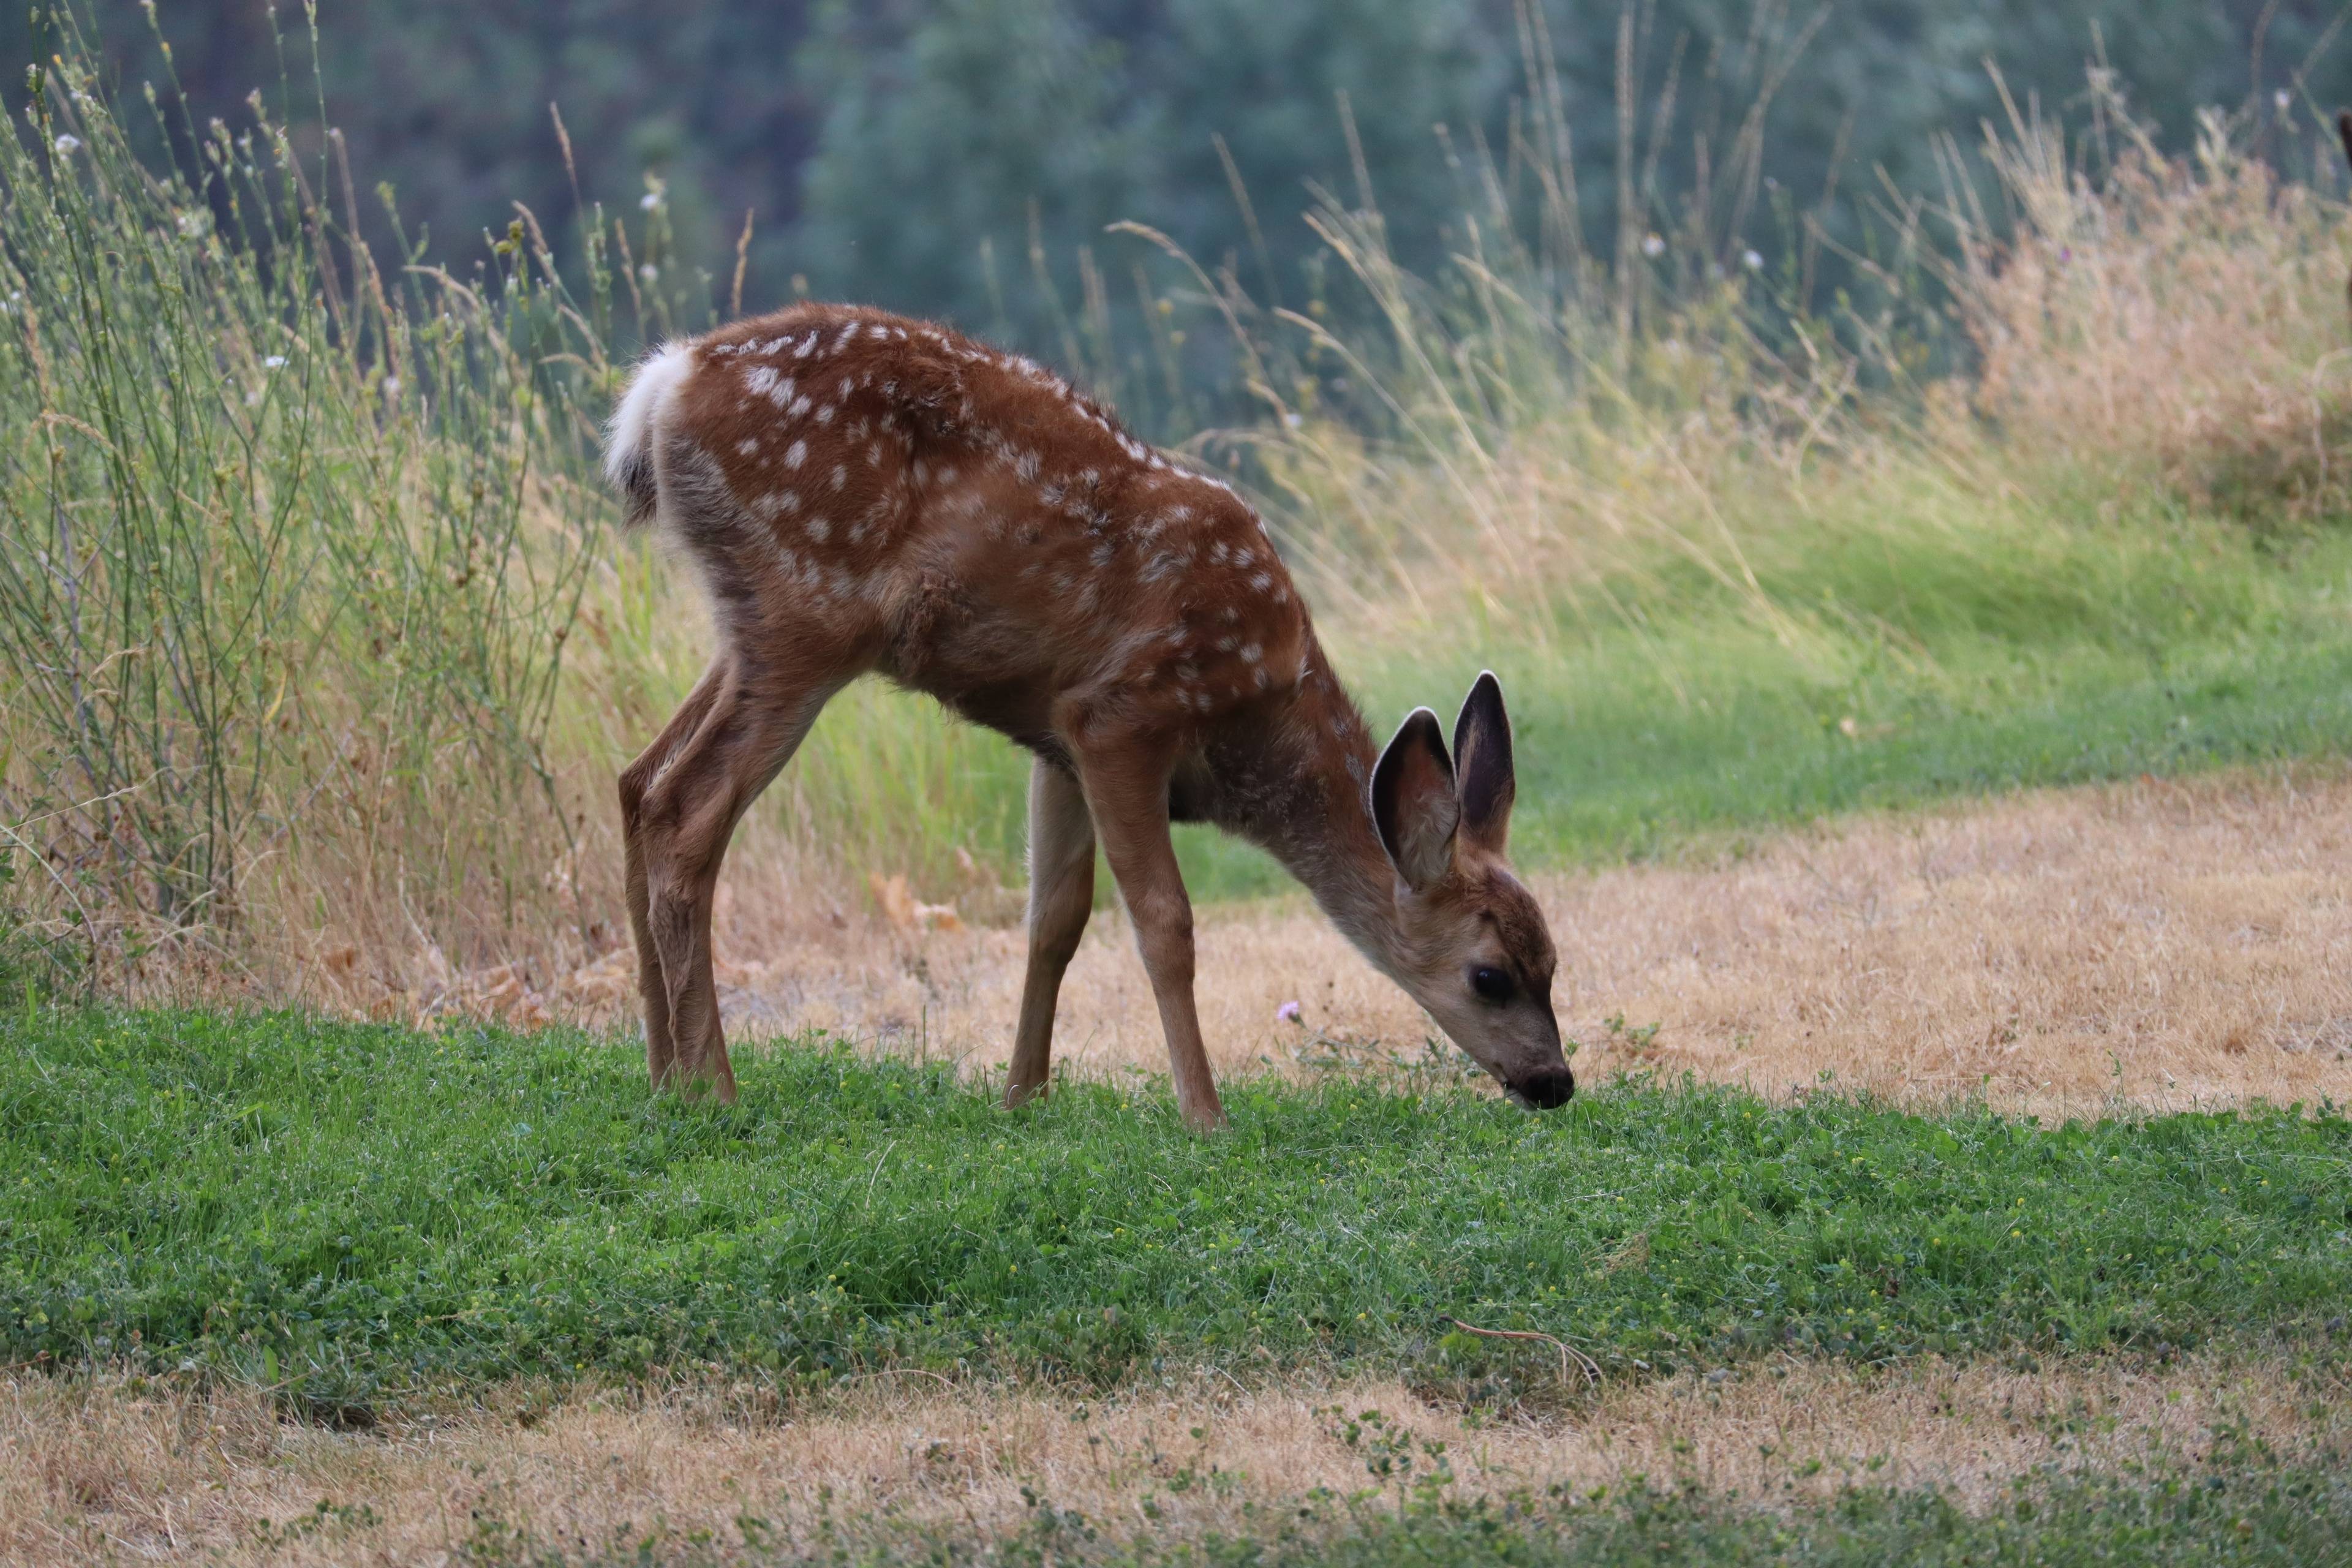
867	494
629	439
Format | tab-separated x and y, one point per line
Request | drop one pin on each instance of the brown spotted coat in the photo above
859	493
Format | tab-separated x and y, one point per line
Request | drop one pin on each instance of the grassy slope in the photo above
371	1207
1977	645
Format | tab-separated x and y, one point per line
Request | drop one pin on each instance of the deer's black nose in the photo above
1548	1089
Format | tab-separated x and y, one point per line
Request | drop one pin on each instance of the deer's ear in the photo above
1481	765
1413	803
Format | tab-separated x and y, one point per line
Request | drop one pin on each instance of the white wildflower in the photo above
650	200
1654	245
1751	260
276	361
68	144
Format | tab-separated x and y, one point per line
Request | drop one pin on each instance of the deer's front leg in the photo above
1128	795
1061	895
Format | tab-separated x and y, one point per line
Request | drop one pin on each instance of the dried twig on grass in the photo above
1591	1368
940	1378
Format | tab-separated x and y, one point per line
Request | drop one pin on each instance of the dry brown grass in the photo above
2177	322
2159	945
99	1464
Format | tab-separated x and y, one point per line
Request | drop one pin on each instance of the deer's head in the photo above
1471	944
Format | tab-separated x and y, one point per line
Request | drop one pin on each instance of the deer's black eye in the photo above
1492	984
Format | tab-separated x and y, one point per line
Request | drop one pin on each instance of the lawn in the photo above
375	1210
1958	653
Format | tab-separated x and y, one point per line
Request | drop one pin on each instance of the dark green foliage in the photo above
989	114
881	142
948	124
447	102
369	1208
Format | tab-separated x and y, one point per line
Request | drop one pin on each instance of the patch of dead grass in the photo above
102	1464
2154	944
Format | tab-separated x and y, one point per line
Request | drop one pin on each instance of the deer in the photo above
863	493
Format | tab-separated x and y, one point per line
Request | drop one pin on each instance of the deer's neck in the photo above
1299	788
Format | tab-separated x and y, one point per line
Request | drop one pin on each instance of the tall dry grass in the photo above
2173	328
1561	447
290	550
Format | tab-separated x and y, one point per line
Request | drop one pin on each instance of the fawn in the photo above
861	492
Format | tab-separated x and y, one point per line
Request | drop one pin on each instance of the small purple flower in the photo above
1287	1013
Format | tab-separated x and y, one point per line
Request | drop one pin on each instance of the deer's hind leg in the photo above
1061	895
680	803
635	780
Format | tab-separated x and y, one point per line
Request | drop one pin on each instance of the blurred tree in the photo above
882	142
449	103
956	122
949	126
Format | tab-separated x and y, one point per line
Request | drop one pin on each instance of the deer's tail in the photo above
630	437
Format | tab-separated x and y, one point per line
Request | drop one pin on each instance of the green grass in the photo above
1973	654
374	1210
2252	668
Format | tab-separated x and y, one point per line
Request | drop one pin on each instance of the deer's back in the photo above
862	491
